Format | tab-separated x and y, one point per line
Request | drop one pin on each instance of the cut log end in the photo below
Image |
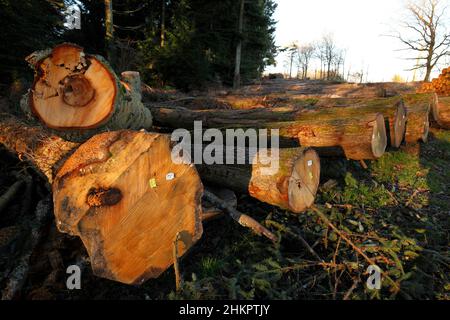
124	197
379	139
73	90
418	106
77	90
304	181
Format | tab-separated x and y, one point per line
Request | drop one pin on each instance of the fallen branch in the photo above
242	219
17	277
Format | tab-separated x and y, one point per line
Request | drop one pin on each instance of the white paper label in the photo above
309	163
170	176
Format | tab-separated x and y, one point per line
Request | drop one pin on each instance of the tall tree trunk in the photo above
328	69
109	26
428	71
163	23
237	67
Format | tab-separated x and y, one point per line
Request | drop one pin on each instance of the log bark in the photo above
243	219
393	110
288	180
355	135
418	108
120	193
79	95
441	112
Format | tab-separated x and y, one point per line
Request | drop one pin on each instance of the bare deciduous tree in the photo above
304	54
426	33
328	53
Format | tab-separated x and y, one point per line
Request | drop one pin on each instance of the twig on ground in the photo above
17	277
242	219
6	198
357	249
352	288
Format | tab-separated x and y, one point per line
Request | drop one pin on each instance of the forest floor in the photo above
396	212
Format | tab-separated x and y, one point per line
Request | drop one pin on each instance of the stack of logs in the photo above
117	186
441	87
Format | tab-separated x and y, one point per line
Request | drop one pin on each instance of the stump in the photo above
290	182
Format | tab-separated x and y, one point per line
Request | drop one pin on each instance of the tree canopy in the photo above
183	43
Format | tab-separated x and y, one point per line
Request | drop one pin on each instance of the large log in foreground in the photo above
336	130
73	92
120	193
287	178
418	107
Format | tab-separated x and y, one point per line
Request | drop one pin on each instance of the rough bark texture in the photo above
418	108
288	180
120	193
357	136
441	112
127	200
79	95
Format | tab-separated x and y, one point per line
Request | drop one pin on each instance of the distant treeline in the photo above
182	43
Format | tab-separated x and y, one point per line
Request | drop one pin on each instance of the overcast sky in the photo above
359	26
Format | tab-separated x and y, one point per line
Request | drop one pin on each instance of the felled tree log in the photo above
120	193
418	108
80	95
441	112
393	110
289	179
337	130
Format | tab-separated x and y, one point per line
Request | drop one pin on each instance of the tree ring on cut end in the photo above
379	138
77	91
